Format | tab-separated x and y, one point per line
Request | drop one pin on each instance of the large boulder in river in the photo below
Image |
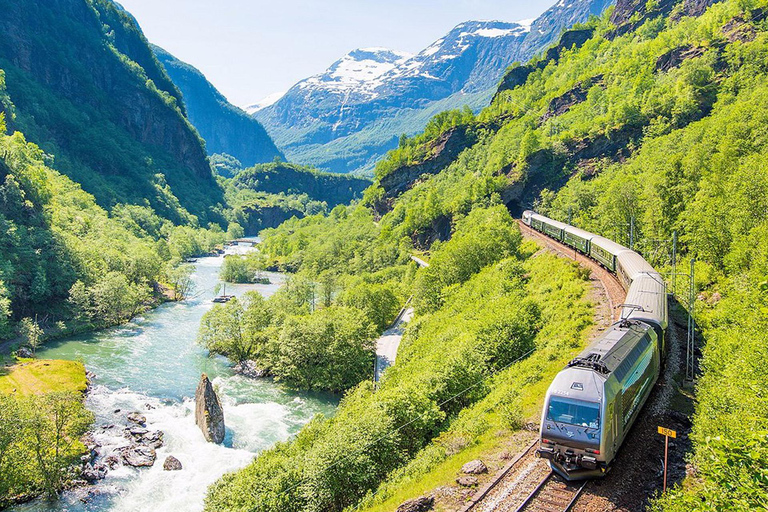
172	464
209	415
138	455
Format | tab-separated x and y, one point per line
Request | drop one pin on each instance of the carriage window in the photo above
574	412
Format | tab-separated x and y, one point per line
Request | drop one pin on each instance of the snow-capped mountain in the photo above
264	102
359	71
344	119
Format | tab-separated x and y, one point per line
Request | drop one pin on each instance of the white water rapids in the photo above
152	366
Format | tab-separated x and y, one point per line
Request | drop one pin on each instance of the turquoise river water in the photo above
152	365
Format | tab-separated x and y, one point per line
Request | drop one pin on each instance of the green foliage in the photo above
235	329
30	333
331	349
39	443
481	239
244	269
416	149
379	302
5	311
62	256
486	324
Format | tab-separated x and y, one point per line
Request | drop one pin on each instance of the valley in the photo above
392	340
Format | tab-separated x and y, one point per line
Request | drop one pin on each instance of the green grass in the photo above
36	377
483	431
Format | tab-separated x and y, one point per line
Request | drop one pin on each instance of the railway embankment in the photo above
637	472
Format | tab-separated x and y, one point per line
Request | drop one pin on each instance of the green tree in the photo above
235	270
180	278
378	302
54	426
30	333
222	331
331	349
5	312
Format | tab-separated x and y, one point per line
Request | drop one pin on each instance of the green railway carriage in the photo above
606	252
578	239
552	228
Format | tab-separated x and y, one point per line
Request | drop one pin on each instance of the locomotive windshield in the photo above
574	412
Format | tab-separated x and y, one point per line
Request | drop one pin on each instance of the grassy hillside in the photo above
654	124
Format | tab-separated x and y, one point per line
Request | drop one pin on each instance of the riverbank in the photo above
42	417
65	328
152	365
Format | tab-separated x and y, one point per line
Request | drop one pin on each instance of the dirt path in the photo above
389	342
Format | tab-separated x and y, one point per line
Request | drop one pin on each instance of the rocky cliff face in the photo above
209	415
88	89
225	128
346	118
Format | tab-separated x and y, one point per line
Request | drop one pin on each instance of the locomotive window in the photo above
574	412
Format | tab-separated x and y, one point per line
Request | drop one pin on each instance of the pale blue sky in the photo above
252	48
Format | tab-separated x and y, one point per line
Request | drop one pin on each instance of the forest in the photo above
637	133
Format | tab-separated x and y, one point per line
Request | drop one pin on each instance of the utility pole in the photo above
674	260
691	345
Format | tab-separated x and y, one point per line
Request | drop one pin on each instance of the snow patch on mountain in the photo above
357	71
264	102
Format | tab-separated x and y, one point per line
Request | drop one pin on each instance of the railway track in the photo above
527	484
552	494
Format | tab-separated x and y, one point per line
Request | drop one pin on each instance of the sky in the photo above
250	49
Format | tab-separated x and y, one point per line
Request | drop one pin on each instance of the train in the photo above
593	402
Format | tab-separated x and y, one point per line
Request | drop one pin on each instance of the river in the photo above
152	365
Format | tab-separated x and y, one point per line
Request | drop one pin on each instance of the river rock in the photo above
474	467
94	472
138	455
138	418
209	415
172	464
153	439
421	504
111	461
250	369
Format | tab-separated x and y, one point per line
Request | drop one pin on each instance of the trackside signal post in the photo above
667	433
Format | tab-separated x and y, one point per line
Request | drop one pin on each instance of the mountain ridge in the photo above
347	130
104	106
225	128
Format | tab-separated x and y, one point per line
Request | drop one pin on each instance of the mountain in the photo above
264	102
346	118
646	124
225	128
103	106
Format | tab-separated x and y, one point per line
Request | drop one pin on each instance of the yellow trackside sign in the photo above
667	432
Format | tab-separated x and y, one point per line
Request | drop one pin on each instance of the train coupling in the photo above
546	452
